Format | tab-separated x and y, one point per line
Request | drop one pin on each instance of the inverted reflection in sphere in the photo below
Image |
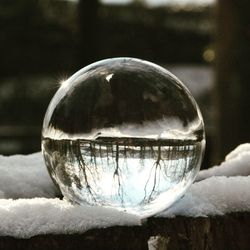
123	133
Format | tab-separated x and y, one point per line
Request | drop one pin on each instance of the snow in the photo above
237	163
213	196
165	128
24	218
157	242
220	189
25	177
217	191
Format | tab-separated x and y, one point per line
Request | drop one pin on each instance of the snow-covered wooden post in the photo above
216	232
213	214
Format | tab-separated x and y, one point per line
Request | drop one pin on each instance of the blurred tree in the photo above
33	39
88	31
232	74
139	2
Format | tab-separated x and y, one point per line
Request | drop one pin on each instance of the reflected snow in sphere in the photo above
123	133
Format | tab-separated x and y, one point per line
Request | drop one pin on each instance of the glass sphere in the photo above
123	133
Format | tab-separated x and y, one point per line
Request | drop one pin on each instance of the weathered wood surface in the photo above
231	231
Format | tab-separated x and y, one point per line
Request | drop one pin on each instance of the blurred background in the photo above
203	42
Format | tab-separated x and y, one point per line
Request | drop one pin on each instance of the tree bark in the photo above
229	232
232	75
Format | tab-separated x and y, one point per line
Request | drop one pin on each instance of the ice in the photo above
26	176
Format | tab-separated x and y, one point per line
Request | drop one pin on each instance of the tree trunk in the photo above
232	74
88	31
229	232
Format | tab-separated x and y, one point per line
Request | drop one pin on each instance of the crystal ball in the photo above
123	133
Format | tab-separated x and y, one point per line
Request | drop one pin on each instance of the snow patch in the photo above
213	196
237	163
25	176
239	152
24	218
